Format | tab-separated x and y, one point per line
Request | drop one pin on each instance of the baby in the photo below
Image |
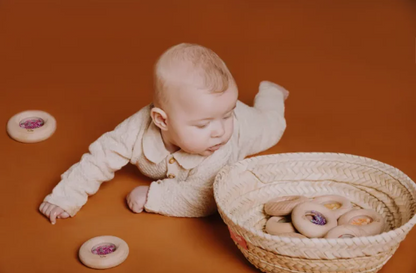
194	127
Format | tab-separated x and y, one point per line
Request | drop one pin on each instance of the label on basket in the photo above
238	239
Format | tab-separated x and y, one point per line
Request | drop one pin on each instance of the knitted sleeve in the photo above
107	154
192	197
261	126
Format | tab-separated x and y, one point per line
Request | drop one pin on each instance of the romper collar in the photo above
154	150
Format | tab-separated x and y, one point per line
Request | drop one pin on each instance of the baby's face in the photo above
199	121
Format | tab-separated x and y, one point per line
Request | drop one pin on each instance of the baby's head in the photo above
194	98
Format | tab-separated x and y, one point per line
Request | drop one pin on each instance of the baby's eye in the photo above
201	126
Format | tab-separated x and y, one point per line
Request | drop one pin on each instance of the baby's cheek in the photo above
228	131
195	139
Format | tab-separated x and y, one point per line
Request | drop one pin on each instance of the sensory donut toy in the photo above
103	252
31	126
369	220
313	220
338	204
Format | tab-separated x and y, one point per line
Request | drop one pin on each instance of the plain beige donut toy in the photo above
346	231
103	252
369	220
337	203
313	220
277	225
284	205
31	126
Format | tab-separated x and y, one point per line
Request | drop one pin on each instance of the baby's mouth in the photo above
214	148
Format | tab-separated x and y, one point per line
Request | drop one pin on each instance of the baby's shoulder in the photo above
242	111
241	107
143	114
137	120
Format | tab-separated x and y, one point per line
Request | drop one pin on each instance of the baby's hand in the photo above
137	198
52	212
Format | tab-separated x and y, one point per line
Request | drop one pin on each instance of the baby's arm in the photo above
261	126
109	153
190	198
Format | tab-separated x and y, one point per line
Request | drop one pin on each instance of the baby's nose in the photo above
219	130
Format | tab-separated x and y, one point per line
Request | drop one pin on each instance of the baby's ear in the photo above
159	118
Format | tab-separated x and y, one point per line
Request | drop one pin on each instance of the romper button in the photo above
171	161
171	176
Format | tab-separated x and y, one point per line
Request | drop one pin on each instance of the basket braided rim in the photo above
404	229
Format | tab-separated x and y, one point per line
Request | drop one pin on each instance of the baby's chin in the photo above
206	153
203	153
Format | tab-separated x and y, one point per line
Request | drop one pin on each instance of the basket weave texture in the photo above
242	189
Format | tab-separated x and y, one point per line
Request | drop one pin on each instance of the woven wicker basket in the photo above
242	189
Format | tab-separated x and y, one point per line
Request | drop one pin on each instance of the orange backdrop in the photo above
349	65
